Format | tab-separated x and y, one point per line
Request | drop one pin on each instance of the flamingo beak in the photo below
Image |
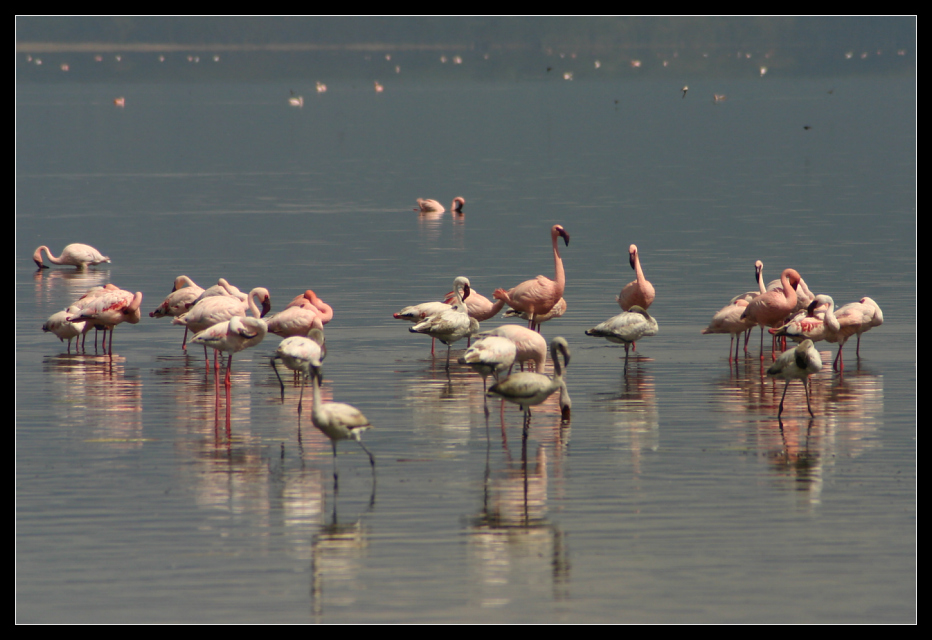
266	306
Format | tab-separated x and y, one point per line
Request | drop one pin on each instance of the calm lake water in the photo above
675	495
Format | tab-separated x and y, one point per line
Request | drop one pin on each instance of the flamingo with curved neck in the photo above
769	309
538	296
78	255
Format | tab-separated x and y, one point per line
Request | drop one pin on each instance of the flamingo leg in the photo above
808	404
785	387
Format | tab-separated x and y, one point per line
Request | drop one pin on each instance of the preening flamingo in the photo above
625	328
416	313
728	320
452	324
300	353
490	355
538	296
59	325
639	292
852	319
222	289
110	309
477	305
426	205
78	255
295	321
309	299
182	297
529	345
338	421
770	308
556	312
527	389
797	364
232	336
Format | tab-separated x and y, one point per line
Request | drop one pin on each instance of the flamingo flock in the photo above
227	320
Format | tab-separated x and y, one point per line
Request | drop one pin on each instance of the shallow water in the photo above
674	495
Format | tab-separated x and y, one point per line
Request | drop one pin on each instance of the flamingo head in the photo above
37	258
558	230
758	269
457	206
632	255
793	277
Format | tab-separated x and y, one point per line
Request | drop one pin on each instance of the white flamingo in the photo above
452	324
182	297
626	327
338	421
78	255
538	296
300	353
797	364
490	355
527	389
232	336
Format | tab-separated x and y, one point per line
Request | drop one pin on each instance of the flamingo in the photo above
78	255
309	300
852	319
458	203
416	313
728	320
300	353
529	345
59	325
759	278
797	364
220	308
426	205
803	295
477	305
221	289
538	296
490	355
182	297
770	308
295	321
876	319
809	323
338	421
556	312
626	327
85	300
530	389
110	309
232	336
452	324
639	292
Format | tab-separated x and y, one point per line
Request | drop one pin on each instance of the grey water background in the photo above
674	495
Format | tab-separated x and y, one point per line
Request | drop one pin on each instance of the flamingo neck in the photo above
559	275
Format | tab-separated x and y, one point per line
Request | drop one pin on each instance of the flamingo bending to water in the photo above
300	353
538	296
78	255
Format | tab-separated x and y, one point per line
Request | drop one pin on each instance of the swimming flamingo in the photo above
426	205
300	353
797	364
110	309
769	309
538	296
454	323
78	255
639	292
556	312
728	320
529	344
232	336
530	389
338	421
182	297
627	327
59	325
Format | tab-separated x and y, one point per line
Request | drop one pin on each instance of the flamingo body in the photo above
451	324
626	327
78	255
797	364
529	345
539	295
527	389
59	325
232	336
639	292
426	205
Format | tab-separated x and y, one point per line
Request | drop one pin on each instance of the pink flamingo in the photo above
854	318
78	255
477	305
309	299
529	344
110	309
538	296
232	336
426	205
639	292
750	295
769	309
295	321
216	309
728	320
558	310
183	295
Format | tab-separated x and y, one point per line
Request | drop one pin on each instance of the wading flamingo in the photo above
182	298
854	318
538	296
490	355
797	364
232	336
338	421
530	389
110	309
529	345
78	255
220	308
639	292
454	323
769	309
300	353
625	328
59	325
728	320
416	313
